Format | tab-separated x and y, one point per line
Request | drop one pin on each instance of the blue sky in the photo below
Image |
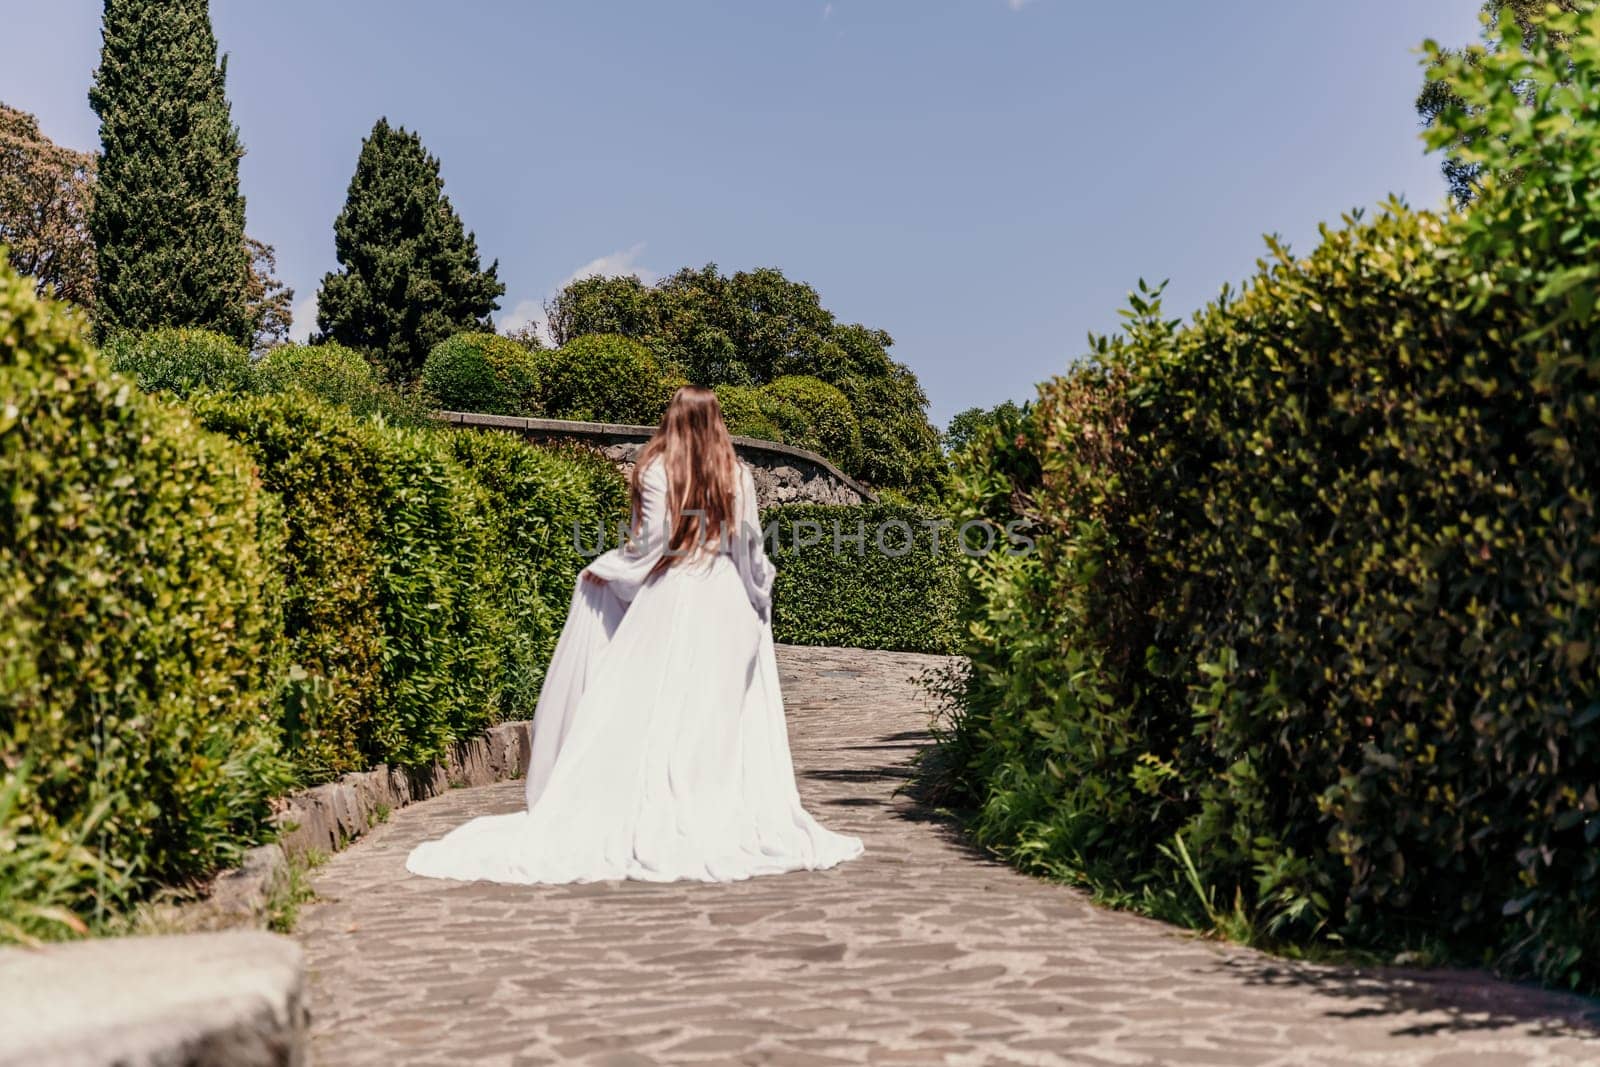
985	179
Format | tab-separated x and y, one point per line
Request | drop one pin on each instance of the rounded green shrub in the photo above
483	373
335	375
180	361
814	415
606	378
139	641
741	410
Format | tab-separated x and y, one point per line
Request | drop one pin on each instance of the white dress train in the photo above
660	750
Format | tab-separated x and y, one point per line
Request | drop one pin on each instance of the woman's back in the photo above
659	745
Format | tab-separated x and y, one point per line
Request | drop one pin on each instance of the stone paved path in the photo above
922	952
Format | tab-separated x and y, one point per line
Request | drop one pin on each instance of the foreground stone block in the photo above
233	999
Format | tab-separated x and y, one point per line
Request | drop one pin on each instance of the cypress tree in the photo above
168	217
411	275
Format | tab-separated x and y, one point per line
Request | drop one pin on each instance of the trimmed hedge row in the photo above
206	604
422	568
139	641
534	499
1308	648
899	587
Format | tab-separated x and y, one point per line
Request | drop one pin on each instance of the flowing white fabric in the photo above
660	750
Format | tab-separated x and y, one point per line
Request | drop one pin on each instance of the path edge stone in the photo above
329	817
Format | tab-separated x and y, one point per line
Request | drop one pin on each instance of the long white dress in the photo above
660	750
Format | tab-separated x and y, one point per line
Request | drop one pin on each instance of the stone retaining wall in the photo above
783	474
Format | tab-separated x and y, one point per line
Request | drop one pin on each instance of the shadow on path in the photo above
1446	1000
1468	1000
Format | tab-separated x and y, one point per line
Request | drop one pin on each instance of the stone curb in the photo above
328	817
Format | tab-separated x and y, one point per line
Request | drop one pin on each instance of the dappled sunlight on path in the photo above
922	952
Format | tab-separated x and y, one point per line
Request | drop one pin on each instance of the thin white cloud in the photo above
827	12
1018	5
303	319
613	264
622	262
524	313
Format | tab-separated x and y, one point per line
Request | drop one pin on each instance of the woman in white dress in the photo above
660	750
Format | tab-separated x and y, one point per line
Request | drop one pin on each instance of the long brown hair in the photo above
696	453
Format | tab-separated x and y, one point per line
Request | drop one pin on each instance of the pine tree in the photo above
168	217
411	272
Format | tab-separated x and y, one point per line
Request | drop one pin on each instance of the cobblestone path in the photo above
921	952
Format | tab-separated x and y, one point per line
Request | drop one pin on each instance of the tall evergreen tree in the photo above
168	217
411	272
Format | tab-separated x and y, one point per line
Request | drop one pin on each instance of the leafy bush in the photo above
814	415
535	500
830	590
483	373
606	378
754	327
741	410
392	645
899	447
335	375
1308	647
139	643
180	361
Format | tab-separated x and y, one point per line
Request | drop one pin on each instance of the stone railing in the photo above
783	474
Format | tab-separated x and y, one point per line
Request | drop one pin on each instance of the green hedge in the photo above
193	624
814	415
1308	650
484	373
606	378
180	361
741	410
860	596
139	643
422	568
534	498
335	375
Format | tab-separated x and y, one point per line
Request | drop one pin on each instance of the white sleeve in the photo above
627	568
749	551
